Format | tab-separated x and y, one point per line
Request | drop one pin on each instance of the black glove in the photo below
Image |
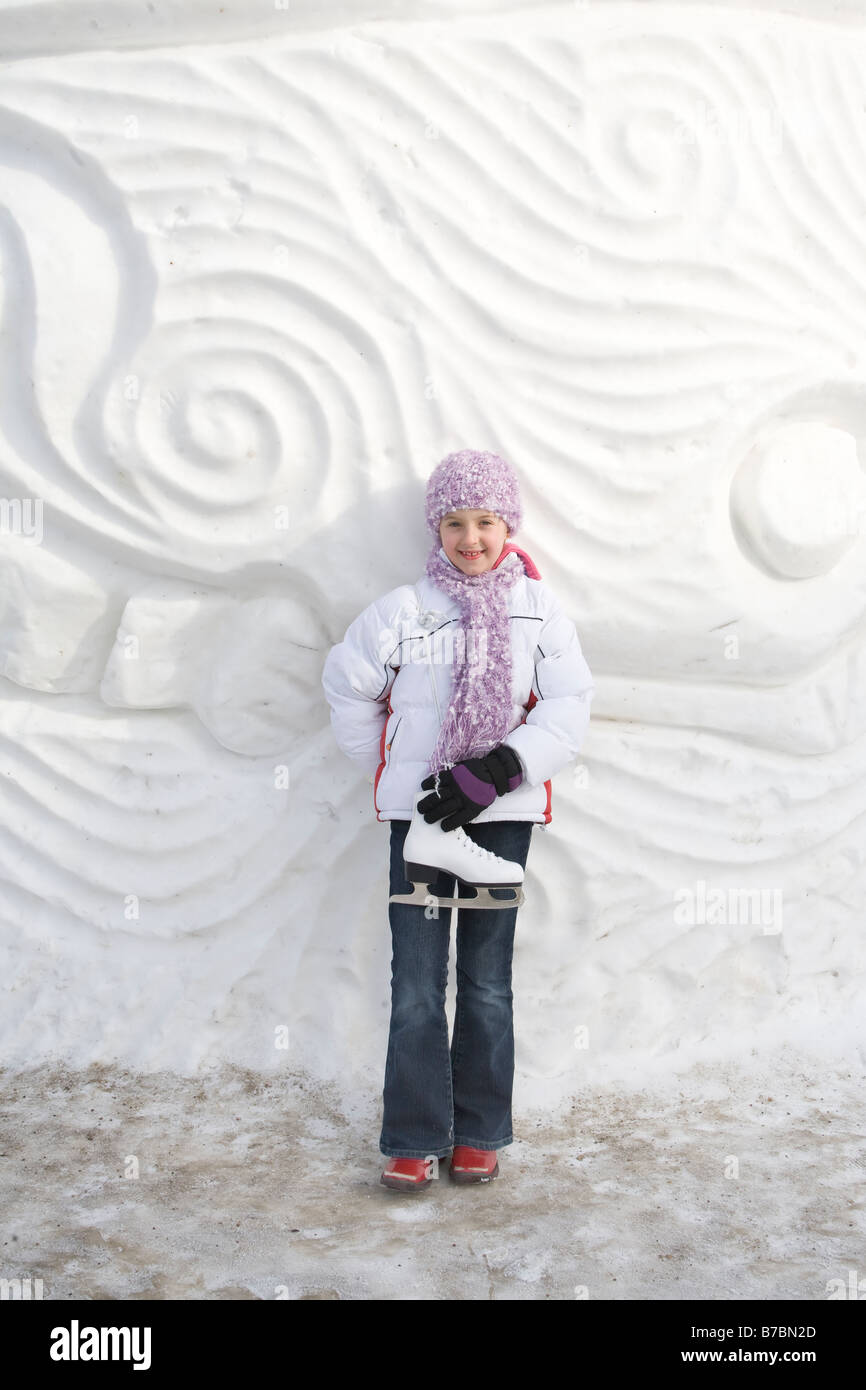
468	787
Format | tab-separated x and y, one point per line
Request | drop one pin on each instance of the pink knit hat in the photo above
476	481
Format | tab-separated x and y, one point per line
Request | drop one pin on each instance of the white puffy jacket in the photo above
389	685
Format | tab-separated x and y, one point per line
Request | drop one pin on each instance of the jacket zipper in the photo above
427	636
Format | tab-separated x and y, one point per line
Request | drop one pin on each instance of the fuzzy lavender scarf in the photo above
479	715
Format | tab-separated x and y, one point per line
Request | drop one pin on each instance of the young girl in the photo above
516	692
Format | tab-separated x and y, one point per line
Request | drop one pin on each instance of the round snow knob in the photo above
798	501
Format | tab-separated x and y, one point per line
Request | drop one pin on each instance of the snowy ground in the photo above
249	1188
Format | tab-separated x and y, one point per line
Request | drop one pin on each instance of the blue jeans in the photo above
434	1096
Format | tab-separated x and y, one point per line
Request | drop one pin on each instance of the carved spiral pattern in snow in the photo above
250	295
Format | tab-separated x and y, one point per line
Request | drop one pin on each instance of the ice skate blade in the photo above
421	896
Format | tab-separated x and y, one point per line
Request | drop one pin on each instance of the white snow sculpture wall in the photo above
260	270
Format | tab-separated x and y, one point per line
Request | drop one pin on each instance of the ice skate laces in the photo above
471	844
463	838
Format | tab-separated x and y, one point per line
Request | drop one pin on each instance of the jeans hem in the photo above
432	1152
483	1143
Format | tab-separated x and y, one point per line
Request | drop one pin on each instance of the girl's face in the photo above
472	539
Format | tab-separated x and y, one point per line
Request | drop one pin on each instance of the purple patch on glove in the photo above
482	793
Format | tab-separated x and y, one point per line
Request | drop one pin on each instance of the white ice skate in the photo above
429	848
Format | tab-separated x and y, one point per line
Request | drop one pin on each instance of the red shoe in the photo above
407	1174
473	1165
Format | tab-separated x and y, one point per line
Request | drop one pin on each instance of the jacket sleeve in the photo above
357	680
554	730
